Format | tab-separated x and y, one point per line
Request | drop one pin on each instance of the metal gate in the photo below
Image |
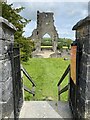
73	78
74	91
16	79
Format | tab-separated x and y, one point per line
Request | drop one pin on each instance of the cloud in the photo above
9	1
59	9
30	11
66	14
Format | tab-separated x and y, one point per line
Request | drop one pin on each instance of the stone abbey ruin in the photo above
45	25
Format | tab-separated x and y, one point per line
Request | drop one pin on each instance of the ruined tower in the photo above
45	25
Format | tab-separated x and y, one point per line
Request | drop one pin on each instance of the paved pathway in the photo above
45	109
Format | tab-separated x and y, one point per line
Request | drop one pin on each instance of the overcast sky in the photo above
66	14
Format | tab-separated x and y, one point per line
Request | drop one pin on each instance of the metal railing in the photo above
31	81
14	54
60	91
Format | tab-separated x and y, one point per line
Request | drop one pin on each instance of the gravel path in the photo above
46	53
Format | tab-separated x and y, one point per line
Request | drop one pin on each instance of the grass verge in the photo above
46	73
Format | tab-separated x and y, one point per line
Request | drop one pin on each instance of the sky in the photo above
66	14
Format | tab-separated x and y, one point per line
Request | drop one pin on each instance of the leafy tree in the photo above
69	41
65	41
13	16
46	42
26	46
60	46
61	42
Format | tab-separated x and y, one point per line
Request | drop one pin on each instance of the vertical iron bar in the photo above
13	78
69	86
58	93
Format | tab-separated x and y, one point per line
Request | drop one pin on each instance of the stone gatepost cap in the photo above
82	23
7	23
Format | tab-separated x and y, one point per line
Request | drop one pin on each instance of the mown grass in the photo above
46	46
64	47
46	74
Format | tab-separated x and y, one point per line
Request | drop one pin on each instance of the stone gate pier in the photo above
6	88
7	77
80	89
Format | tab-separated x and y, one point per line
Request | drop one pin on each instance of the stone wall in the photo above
6	88
83	68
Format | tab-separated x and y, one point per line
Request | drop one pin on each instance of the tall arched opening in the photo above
46	42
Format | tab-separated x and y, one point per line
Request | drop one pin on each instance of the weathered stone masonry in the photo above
45	25
6	88
83	69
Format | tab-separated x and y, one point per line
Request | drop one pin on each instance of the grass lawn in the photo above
65	47
46	73
46	46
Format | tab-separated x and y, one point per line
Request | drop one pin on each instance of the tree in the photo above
60	46
26	48
13	16
65	42
69	41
